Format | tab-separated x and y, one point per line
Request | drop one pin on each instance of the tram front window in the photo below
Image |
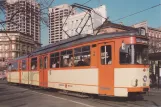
134	54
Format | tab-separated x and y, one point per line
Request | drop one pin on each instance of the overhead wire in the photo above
137	12
86	2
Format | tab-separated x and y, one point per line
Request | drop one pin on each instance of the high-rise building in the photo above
83	23
24	16
56	15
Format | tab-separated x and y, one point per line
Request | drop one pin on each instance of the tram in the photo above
114	64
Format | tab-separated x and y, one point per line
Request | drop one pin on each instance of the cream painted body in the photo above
24	77
80	80
125	77
34	78
13	77
85	80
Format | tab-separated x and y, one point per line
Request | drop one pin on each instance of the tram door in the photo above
106	68
43	70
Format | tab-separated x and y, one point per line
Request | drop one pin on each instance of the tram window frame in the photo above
104	59
55	60
14	66
23	65
34	59
66	56
131	52
82	56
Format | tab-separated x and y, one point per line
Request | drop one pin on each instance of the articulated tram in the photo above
114	64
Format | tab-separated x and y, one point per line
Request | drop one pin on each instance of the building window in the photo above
54	60
82	56
34	63
67	58
6	47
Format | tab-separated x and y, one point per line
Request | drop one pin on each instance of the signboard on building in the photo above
143	24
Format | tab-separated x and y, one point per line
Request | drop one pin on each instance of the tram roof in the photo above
21	57
76	40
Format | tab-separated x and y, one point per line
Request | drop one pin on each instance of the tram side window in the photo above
125	55
66	58
9	67
34	63
41	63
54	60
106	55
82	56
14	66
45	62
23	65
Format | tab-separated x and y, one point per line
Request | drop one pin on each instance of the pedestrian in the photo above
153	79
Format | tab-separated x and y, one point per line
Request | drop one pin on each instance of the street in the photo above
23	96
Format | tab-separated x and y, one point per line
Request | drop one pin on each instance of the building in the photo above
14	44
56	15
24	16
109	27
83	23
154	35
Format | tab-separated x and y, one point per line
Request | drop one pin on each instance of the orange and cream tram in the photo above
113	64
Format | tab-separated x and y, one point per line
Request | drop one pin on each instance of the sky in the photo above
117	9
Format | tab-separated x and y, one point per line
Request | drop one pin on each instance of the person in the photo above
81	62
127	60
53	65
57	64
65	64
108	58
33	67
87	61
153	78
70	62
23	66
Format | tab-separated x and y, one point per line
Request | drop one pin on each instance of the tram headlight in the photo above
145	78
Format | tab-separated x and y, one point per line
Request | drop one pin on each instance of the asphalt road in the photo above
23	96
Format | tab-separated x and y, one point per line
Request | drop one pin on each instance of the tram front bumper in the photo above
138	89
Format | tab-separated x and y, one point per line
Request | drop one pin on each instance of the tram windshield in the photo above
134	54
